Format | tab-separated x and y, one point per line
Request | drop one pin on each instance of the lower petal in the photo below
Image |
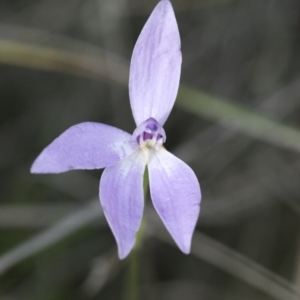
176	196
122	199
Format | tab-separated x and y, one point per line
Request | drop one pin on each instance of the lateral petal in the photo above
122	199
176	196
155	66
85	146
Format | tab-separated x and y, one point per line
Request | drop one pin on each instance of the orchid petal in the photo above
176	196
155	66
85	146
122	199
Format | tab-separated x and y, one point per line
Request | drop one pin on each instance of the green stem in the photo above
132	290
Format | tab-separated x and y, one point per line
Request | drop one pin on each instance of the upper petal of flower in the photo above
155	66
122	198
85	146
176	196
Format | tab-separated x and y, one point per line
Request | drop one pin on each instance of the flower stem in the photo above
132	289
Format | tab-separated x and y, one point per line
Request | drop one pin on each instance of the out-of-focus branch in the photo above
214	136
32	216
50	59
52	235
103	270
297	271
198	103
239	118
237	265
250	198
140	8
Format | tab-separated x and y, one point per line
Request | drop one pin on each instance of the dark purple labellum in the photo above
147	136
150	130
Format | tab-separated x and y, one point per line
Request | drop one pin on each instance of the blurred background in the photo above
236	123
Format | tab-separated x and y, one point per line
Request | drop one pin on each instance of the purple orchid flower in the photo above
175	191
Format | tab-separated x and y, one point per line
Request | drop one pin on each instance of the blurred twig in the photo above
204	248
50	59
214	136
54	234
297	271
103	270
32	216
237	265
239	118
227	113
143	8
113	18
215	212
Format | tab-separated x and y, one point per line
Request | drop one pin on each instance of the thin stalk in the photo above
132	288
